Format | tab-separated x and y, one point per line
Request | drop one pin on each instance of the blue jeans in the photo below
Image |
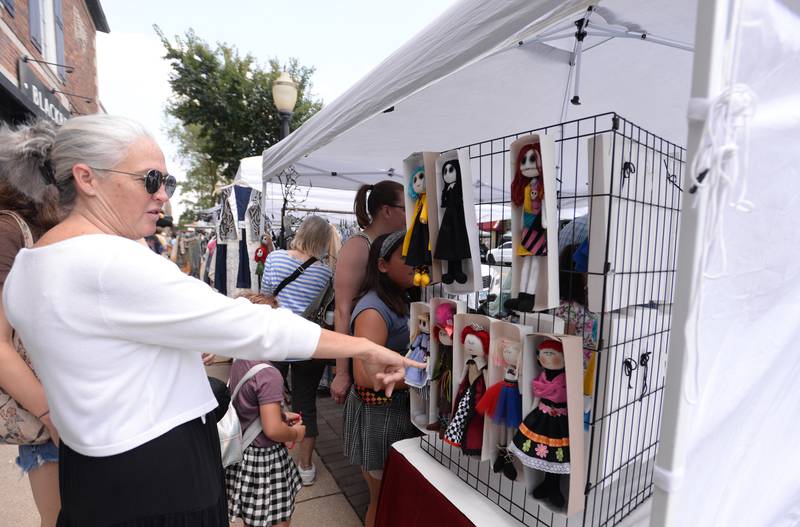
33	456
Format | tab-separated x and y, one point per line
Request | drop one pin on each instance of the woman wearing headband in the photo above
379	209
373	420
115	333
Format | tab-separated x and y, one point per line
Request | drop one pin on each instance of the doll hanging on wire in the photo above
466	427
527	192
503	402
443	369
542	440
452	243
417	378
417	245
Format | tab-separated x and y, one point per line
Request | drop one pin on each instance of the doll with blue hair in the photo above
417	244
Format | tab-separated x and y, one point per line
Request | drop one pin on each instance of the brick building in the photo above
48	64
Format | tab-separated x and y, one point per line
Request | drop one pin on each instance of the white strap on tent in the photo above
715	174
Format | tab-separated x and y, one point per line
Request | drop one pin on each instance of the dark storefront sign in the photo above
34	90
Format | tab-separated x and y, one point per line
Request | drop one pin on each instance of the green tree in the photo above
223	106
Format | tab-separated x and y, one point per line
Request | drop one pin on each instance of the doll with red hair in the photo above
466	427
542	440
527	193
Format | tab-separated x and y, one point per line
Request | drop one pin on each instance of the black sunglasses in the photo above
153	180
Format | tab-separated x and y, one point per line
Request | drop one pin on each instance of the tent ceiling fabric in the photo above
477	84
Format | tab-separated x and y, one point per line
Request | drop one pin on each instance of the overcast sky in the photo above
343	40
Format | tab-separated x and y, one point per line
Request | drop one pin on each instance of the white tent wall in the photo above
727	453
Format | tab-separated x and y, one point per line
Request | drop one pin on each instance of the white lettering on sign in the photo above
46	106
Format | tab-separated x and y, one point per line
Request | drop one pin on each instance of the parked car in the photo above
501	255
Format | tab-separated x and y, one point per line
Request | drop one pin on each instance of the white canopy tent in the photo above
726	455
328	201
465	79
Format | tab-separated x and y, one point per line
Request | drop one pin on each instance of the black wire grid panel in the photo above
622	185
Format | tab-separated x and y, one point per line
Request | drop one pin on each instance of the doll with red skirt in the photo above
503	402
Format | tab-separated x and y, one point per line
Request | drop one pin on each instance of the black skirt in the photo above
174	480
542	440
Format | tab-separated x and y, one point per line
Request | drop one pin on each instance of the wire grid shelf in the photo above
622	185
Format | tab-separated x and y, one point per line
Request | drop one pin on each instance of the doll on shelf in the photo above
466	427
260	256
417	245
443	369
503	402
419	351
417	379
452	243
527	192
542	440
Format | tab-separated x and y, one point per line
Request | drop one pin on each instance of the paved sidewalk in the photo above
16	502
329	448
320	504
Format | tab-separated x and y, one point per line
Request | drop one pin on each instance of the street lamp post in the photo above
284	94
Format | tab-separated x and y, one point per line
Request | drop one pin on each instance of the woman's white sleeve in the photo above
149	300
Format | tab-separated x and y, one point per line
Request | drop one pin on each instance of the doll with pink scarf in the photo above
542	440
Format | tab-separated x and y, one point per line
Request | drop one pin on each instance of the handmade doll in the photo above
452	243
466	427
418	351
542	441
503	402
260	258
527	191
417	245
443	369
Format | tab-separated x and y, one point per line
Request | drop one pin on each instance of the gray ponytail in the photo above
36	159
24	152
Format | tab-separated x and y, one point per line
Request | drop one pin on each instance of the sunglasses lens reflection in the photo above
155	179
169	185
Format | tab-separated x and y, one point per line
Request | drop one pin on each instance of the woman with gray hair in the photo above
115	333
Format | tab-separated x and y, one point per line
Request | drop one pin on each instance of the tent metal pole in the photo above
580	34
605	31
539	40
712	27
